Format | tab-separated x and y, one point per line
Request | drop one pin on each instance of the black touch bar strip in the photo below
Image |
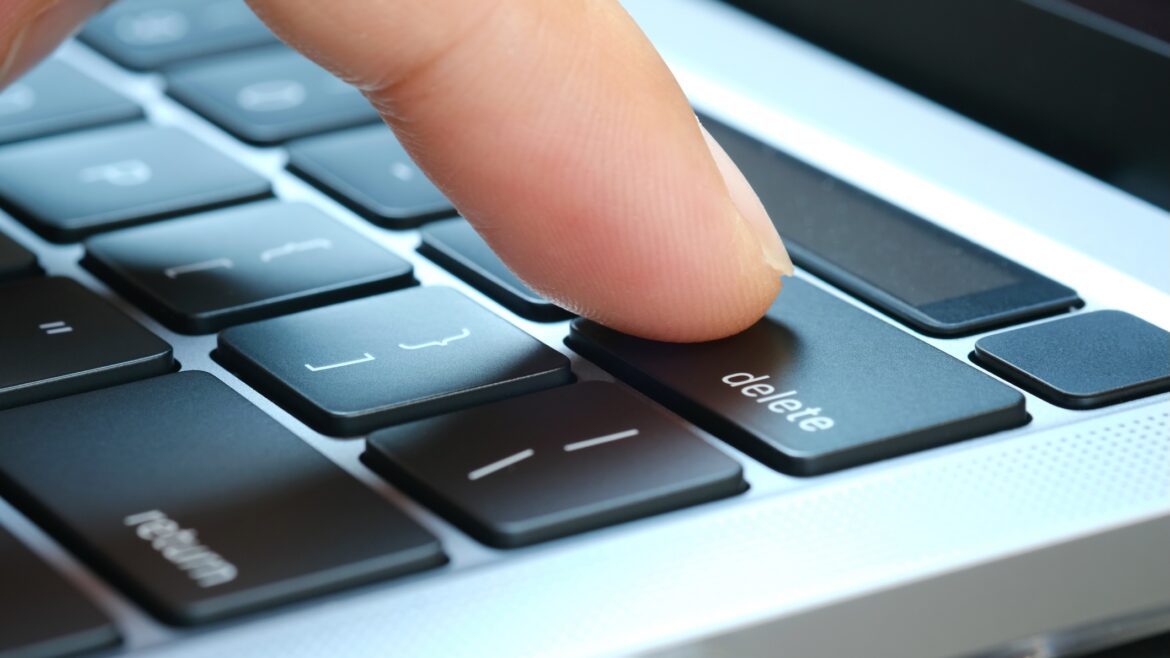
921	274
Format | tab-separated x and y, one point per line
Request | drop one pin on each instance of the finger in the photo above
557	130
31	29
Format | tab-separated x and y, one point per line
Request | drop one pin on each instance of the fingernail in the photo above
55	22
750	208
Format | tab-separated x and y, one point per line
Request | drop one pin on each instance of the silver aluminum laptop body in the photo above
1045	540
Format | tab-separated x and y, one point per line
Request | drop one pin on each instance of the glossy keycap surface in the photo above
350	368
269	97
115	177
15	260
149	34
58	338
44	616
554	463
1082	361
205	272
368	170
196	502
458	248
55	98
815	386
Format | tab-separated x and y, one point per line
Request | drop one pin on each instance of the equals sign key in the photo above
57	327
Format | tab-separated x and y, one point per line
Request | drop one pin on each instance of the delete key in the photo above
816	386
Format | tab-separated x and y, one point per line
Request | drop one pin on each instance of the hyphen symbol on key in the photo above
57	327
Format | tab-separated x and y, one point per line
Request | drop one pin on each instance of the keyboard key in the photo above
149	34
203	273
815	386
57	338
350	368
44	616
369	171
553	463
270	96
457	247
1083	361
15	260
72	186
55	98
207	507
917	272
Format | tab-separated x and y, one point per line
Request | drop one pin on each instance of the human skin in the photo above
554	127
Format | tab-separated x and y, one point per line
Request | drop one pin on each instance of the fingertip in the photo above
681	325
36	29
699	290
559	133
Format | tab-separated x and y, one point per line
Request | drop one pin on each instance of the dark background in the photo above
1086	81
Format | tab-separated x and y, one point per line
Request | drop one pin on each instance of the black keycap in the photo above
553	463
270	96
1083	361
353	367
44	616
149	34
196	502
15	260
815	386
72	186
56	98
919	273
57	338
457	247
369	171
202	273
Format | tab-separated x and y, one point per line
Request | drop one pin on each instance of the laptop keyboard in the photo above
195	503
